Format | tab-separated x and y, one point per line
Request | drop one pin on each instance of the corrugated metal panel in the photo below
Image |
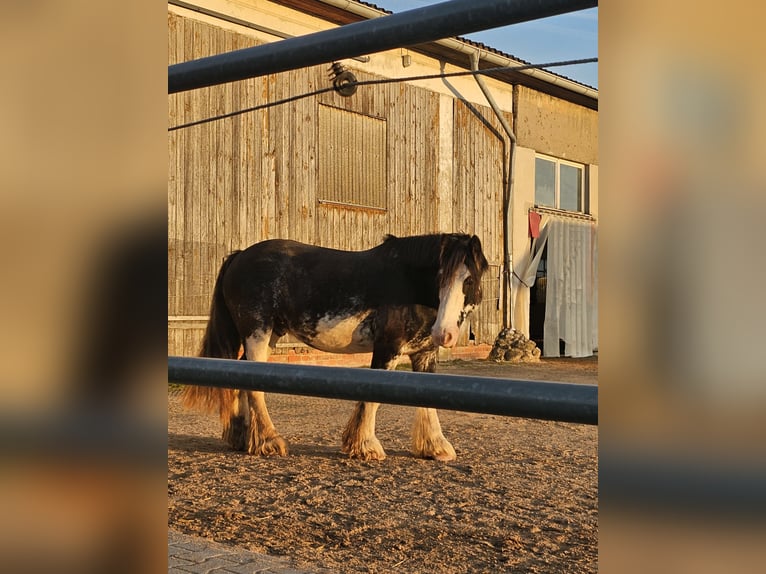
352	159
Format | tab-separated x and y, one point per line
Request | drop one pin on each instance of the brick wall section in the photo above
313	357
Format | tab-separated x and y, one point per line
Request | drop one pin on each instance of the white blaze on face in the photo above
451	304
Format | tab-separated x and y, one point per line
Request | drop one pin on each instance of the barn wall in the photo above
478	157
212	172
556	127
592	185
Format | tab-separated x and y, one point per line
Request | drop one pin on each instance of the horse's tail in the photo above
222	341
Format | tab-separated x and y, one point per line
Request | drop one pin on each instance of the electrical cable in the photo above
485	71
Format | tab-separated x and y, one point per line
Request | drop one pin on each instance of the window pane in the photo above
570	188
545	182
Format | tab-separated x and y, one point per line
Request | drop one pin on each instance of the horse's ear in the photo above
478	254
476	251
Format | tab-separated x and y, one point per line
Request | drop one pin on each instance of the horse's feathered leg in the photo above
222	340
234	409
427	438
359	440
263	438
230	404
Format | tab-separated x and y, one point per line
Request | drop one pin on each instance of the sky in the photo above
567	37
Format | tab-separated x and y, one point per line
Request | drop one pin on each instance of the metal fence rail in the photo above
566	402
367	37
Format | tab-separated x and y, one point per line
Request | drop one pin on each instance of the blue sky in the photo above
566	37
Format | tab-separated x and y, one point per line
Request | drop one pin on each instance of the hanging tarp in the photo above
526	275
571	309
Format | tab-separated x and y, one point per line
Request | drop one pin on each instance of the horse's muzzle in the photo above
444	337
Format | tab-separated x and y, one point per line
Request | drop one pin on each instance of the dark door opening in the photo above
537	301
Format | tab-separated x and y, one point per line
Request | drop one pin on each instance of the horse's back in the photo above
286	268
289	249
279	247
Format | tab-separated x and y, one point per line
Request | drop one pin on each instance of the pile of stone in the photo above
513	347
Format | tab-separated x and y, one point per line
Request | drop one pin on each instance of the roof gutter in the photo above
495	60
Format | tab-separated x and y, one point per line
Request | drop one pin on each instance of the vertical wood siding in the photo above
255	176
478	158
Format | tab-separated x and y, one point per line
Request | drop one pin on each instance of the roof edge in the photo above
494	58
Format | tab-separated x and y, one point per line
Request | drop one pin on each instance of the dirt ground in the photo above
522	495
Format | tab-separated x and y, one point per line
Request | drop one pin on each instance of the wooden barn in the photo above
403	157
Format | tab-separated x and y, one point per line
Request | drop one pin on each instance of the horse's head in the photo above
461	266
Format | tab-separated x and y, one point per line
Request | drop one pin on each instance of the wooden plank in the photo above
302	176
229	176
444	163
415	219
246	167
173	164
268	161
176	145
281	127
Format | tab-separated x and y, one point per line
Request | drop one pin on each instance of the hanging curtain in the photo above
571	309
524	278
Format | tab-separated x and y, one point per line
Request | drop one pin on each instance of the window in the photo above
559	184
352	159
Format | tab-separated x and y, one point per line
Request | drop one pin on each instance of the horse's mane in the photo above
446	251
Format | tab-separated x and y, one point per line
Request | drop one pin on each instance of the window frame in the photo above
558	162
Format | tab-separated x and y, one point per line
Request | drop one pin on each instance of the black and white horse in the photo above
408	295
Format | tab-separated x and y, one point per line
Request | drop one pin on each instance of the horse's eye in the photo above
469	281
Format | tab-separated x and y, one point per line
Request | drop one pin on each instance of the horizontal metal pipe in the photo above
408	28
566	402
669	480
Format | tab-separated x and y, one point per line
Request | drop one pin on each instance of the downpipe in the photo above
509	150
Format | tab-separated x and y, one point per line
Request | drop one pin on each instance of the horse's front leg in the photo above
427	438
359	440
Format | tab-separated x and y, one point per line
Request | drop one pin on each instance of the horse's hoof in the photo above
441	451
272	446
366	450
372	455
444	456
365	456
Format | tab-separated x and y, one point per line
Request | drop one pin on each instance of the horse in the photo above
406	296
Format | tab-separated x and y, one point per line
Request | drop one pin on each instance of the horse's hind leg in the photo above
427	438
263	437
234	413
